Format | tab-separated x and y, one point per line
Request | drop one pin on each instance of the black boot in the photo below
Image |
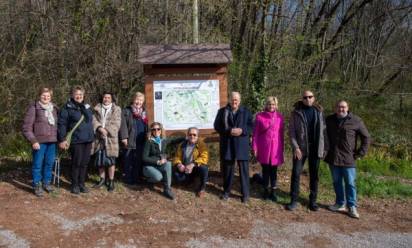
266	194
273	196
167	192
110	187
100	183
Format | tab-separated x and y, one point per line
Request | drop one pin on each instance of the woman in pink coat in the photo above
267	145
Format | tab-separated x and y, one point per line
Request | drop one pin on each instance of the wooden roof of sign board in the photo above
185	54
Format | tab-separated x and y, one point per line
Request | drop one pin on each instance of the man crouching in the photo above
191	160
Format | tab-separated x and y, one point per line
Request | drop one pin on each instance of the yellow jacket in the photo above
200	153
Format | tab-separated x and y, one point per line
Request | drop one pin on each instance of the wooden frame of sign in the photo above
185	62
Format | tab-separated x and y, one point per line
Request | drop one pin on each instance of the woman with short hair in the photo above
267	145
40	129
106	124
75	119
133	136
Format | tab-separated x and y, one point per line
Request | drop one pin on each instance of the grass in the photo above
375	179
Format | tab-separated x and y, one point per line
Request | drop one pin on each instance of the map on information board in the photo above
180	104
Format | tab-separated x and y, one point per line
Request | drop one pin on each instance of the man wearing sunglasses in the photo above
191	160
307	132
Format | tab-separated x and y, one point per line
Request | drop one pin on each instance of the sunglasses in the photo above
307	97
156	129
192	134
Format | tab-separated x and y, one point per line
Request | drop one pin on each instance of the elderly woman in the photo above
133	135
267	145
156	166
75	131
40	129
106	124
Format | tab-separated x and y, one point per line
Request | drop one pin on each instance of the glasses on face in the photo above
307	97
155	129
192	134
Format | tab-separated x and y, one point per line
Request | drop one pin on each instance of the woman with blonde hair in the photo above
156	165
267	145
40	129
133	136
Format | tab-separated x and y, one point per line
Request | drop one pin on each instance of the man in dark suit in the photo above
234	123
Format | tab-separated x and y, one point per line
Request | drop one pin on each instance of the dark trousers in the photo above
80	159
133	165
199	171
228	175
269	173
313	160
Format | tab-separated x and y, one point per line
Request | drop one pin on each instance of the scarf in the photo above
158	141
139	113
48	112
105	111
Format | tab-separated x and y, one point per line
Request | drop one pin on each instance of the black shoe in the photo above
169	194
100	183
313	206
292	206
273	196
38	191
110	187
75	190
225	196
266	194
48	188
83	189
245	199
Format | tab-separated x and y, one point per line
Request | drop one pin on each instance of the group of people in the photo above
106	129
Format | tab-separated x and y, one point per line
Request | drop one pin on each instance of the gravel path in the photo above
296	235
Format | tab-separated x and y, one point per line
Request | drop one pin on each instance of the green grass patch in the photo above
371	181
372	186
386	167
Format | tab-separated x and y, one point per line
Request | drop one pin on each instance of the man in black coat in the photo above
234	123
343	130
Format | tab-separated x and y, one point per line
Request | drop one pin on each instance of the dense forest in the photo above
358	50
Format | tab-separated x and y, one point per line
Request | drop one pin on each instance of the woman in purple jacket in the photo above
40	128
267	145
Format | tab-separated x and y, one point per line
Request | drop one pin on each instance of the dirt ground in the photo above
139	217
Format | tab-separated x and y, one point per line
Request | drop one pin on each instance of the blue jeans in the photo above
159	173
43	160
342	174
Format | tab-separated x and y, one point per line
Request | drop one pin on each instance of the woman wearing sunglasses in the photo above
156	166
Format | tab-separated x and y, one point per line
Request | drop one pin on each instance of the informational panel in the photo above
180	104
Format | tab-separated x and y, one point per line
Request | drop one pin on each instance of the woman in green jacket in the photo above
156	166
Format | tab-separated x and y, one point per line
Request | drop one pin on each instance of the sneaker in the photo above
225	197
48	188
353	212
83	189
169	194
313	207
245	200
292	206
337	208
38	191
75	190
